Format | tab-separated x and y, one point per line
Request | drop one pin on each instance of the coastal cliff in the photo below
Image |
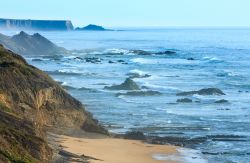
30	102
28	24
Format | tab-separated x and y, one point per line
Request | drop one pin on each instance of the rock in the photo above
128	84
190	59
206	91
37	60
111	62
30	102
121	61
135	135
137	75
140	93
140	52
79	58
184	100
93	60
35	44
221	101
167	52
92	27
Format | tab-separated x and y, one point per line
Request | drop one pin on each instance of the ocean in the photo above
204	58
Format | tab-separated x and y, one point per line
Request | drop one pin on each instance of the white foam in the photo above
136	71
184	155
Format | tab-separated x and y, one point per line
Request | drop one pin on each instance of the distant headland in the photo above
92	27
28	24
45	25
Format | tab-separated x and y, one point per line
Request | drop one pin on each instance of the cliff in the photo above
36	24
26	44
31	101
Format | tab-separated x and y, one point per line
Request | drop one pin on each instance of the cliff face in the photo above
26	44
36	24
31	100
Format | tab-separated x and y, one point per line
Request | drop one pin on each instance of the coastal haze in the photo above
125	81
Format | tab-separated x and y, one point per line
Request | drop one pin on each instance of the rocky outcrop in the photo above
221	101
36	24
184	100
128	84
26	44
31	101
91	27
205	91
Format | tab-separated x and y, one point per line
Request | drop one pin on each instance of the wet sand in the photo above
112	150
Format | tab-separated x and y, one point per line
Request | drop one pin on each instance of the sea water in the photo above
205	58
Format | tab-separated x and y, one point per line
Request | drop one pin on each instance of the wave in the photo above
160	87
145	61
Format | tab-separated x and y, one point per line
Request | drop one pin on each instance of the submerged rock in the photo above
140	52
190	59
128	84
184	100
137	75
140	93
93	60
221	101
167	52
206	91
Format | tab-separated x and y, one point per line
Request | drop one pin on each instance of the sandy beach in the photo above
112	150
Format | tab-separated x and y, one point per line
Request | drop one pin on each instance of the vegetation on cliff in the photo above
30	101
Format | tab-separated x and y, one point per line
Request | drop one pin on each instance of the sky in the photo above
134	13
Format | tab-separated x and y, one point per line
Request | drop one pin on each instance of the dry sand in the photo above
111	150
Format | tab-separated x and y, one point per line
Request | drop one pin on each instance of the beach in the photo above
113	150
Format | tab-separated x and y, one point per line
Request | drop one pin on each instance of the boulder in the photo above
205	91
167	52
135	135
184	100
221	101
140	52
128	84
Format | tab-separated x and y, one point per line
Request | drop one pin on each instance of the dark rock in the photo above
121	61
92	27
184	100
167	52
111	62
129	84
206	91
93	60
221	101
140	93
135	135
190	59
137	75
140	52
78	58
37	60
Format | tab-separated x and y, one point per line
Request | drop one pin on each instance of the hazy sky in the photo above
133	12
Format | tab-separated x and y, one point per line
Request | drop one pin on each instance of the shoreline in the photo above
95	148
85	147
